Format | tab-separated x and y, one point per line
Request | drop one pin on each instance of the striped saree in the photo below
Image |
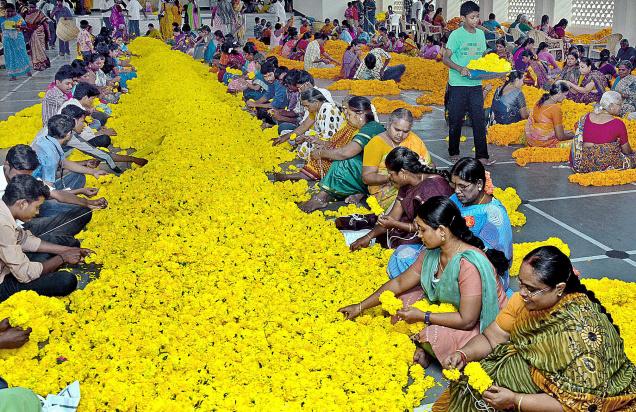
570	352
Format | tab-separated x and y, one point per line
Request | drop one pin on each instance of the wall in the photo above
321	9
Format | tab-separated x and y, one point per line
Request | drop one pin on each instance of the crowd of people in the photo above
45	200
451	239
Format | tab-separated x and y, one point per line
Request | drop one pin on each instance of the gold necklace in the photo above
443	267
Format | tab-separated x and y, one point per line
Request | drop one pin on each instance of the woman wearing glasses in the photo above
552	348
486	217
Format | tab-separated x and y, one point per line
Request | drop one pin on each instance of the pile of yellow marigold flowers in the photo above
216	291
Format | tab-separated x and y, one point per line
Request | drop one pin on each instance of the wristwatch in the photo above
427	318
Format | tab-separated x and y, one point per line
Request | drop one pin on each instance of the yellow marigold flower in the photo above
390	303
478	379
452	374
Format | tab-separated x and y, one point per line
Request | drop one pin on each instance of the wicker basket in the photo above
66	30
318	25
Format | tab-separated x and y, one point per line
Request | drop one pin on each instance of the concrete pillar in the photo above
542	7
452	8
500	8
624	18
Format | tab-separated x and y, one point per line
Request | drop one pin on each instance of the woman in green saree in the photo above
344	177
452	269
553	348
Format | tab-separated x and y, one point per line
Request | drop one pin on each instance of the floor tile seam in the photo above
569	228
548	199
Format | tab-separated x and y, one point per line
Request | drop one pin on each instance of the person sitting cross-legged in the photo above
21	200
61	226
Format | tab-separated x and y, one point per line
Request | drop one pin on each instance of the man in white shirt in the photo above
278	8
134	15
416	10
394	22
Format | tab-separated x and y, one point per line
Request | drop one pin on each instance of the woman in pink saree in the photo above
117	21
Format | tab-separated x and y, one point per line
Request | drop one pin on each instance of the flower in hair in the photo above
470	221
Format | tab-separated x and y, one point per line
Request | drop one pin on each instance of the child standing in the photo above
85	40
465	94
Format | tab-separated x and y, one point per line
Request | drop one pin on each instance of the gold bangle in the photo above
519	403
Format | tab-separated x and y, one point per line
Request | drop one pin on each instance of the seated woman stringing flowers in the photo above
416	183
453	269
338	164
601	141
545	124
552	348
509	103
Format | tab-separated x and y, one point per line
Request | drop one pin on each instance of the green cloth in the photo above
447	289
571	352
19	400
524	27
465	47
344	177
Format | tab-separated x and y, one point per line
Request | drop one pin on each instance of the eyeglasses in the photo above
535	293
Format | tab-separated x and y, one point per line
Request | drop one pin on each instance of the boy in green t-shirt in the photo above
465	94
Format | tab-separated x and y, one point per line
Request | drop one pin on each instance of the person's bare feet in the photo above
355	199
282	177
318	201
420	356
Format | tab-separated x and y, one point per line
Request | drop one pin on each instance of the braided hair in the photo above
441	211
403	158
552	267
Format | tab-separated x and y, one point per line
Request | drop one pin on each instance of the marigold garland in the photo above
386	106
511	201
527	155
506	134
618	297
452	374
606	178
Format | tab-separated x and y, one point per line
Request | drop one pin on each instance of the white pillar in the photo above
452	8
542	7
624	18
500	8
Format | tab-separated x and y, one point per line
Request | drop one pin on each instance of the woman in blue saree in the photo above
15	54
